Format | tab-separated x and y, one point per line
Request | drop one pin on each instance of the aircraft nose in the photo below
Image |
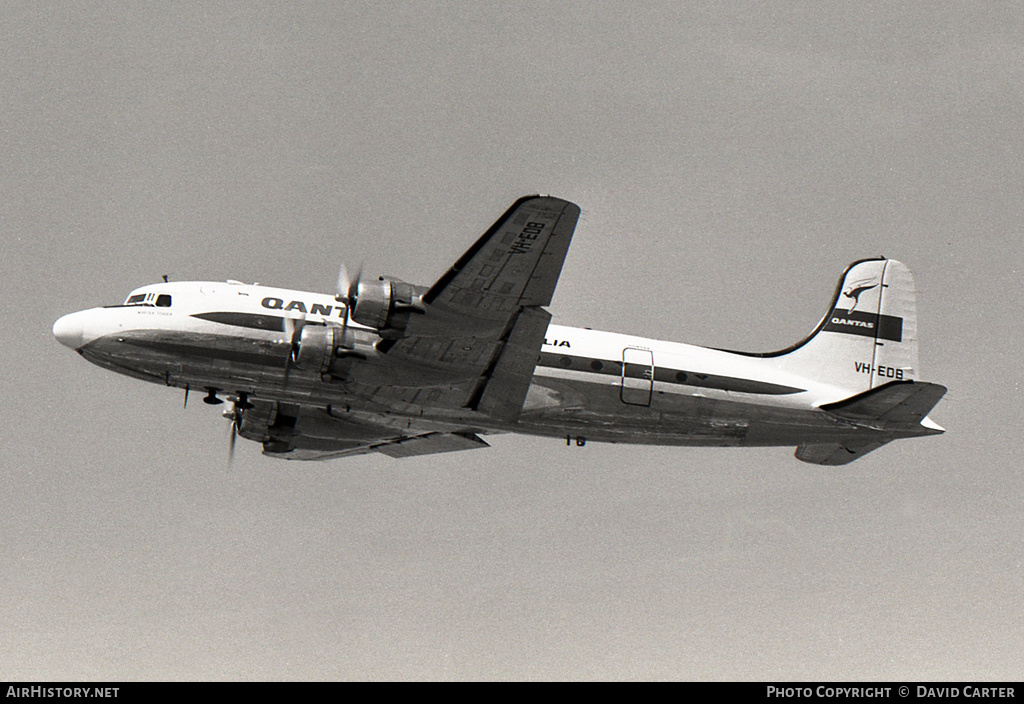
68	330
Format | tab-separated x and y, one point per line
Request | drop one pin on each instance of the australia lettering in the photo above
557	343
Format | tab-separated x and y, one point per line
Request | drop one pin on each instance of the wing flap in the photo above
502	388
305	454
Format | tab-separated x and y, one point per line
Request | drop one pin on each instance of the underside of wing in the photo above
397	447
309	433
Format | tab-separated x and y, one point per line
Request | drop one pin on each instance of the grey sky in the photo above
730	160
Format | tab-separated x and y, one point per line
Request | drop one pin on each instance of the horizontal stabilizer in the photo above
890	409
833	454
896	402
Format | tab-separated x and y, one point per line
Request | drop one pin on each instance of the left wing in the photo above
478	341
398	446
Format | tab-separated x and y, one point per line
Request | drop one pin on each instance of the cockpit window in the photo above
149	299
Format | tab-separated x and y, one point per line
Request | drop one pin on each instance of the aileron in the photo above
515	263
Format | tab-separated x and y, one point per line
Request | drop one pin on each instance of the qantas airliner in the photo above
404	370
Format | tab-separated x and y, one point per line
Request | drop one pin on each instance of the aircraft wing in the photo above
398	446
297	432
478	341
515	263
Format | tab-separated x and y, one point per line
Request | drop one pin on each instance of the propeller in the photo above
235	422
238	407
348	293
292	332
348	287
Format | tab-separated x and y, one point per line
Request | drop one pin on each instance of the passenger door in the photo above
637	376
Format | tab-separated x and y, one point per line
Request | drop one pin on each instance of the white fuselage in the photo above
589	384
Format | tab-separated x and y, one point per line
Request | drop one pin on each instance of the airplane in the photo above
404	370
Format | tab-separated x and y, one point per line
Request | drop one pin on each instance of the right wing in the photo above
515	263
477	343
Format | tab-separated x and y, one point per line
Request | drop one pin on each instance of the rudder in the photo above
869	336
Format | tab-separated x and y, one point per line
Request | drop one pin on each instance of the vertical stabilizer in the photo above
869	336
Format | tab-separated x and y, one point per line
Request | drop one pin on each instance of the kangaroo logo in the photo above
856	288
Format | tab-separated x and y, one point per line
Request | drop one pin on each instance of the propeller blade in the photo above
293	333
234	439
344	282
348	293
348	286
235	416
289	335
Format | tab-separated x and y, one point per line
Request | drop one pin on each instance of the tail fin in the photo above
869	335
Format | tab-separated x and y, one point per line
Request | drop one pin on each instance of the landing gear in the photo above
211	397
580	441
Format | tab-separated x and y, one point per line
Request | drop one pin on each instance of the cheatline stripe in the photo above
665	375
555	360
255	321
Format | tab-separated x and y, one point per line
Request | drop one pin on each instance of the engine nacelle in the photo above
330	349
318	346
385	306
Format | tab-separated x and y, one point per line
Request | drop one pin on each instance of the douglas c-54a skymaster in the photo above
403	370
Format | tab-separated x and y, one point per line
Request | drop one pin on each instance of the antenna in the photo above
165	278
